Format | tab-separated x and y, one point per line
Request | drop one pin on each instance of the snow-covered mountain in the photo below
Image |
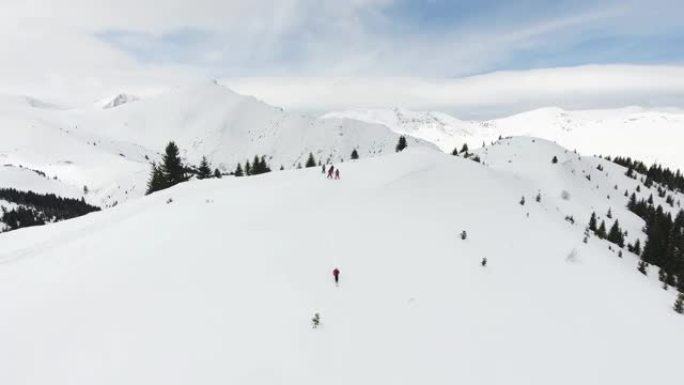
117	101
110	150
651	135
216	281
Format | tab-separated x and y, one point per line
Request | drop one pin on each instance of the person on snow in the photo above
316	320
323	169
330	172
336	275
484	262
337	174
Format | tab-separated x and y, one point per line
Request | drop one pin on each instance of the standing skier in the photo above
323	169
337	174
336	275
330	172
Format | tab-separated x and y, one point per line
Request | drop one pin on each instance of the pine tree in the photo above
264	166
592	222
642	267
455	151
662	277
402	144
601	232
157	181
609	214
204	170
217	173
311	162
172	166
637	247
464	149
355	155
554	160
238	170
679	304
248	168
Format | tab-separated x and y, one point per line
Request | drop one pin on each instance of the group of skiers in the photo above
332	172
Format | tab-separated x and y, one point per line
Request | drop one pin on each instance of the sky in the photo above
357	53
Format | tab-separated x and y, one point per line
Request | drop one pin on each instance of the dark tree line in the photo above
172	170
674	180
38	209
664	245
256	167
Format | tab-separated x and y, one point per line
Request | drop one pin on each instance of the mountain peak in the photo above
118	100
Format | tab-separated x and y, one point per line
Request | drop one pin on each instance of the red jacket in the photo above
336	273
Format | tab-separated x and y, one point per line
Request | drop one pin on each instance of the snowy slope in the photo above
209	119
219	285
441	129
650	135
110	149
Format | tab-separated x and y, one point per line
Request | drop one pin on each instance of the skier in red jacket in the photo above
331	170
336	274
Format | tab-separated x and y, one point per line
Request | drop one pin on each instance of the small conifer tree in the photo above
238	170
310	162
401	145
592	222
642	267
601	232
204	170
679	304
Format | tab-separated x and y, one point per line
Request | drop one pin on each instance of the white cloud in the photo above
482	95
330	54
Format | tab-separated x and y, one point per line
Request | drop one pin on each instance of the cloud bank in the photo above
481	96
